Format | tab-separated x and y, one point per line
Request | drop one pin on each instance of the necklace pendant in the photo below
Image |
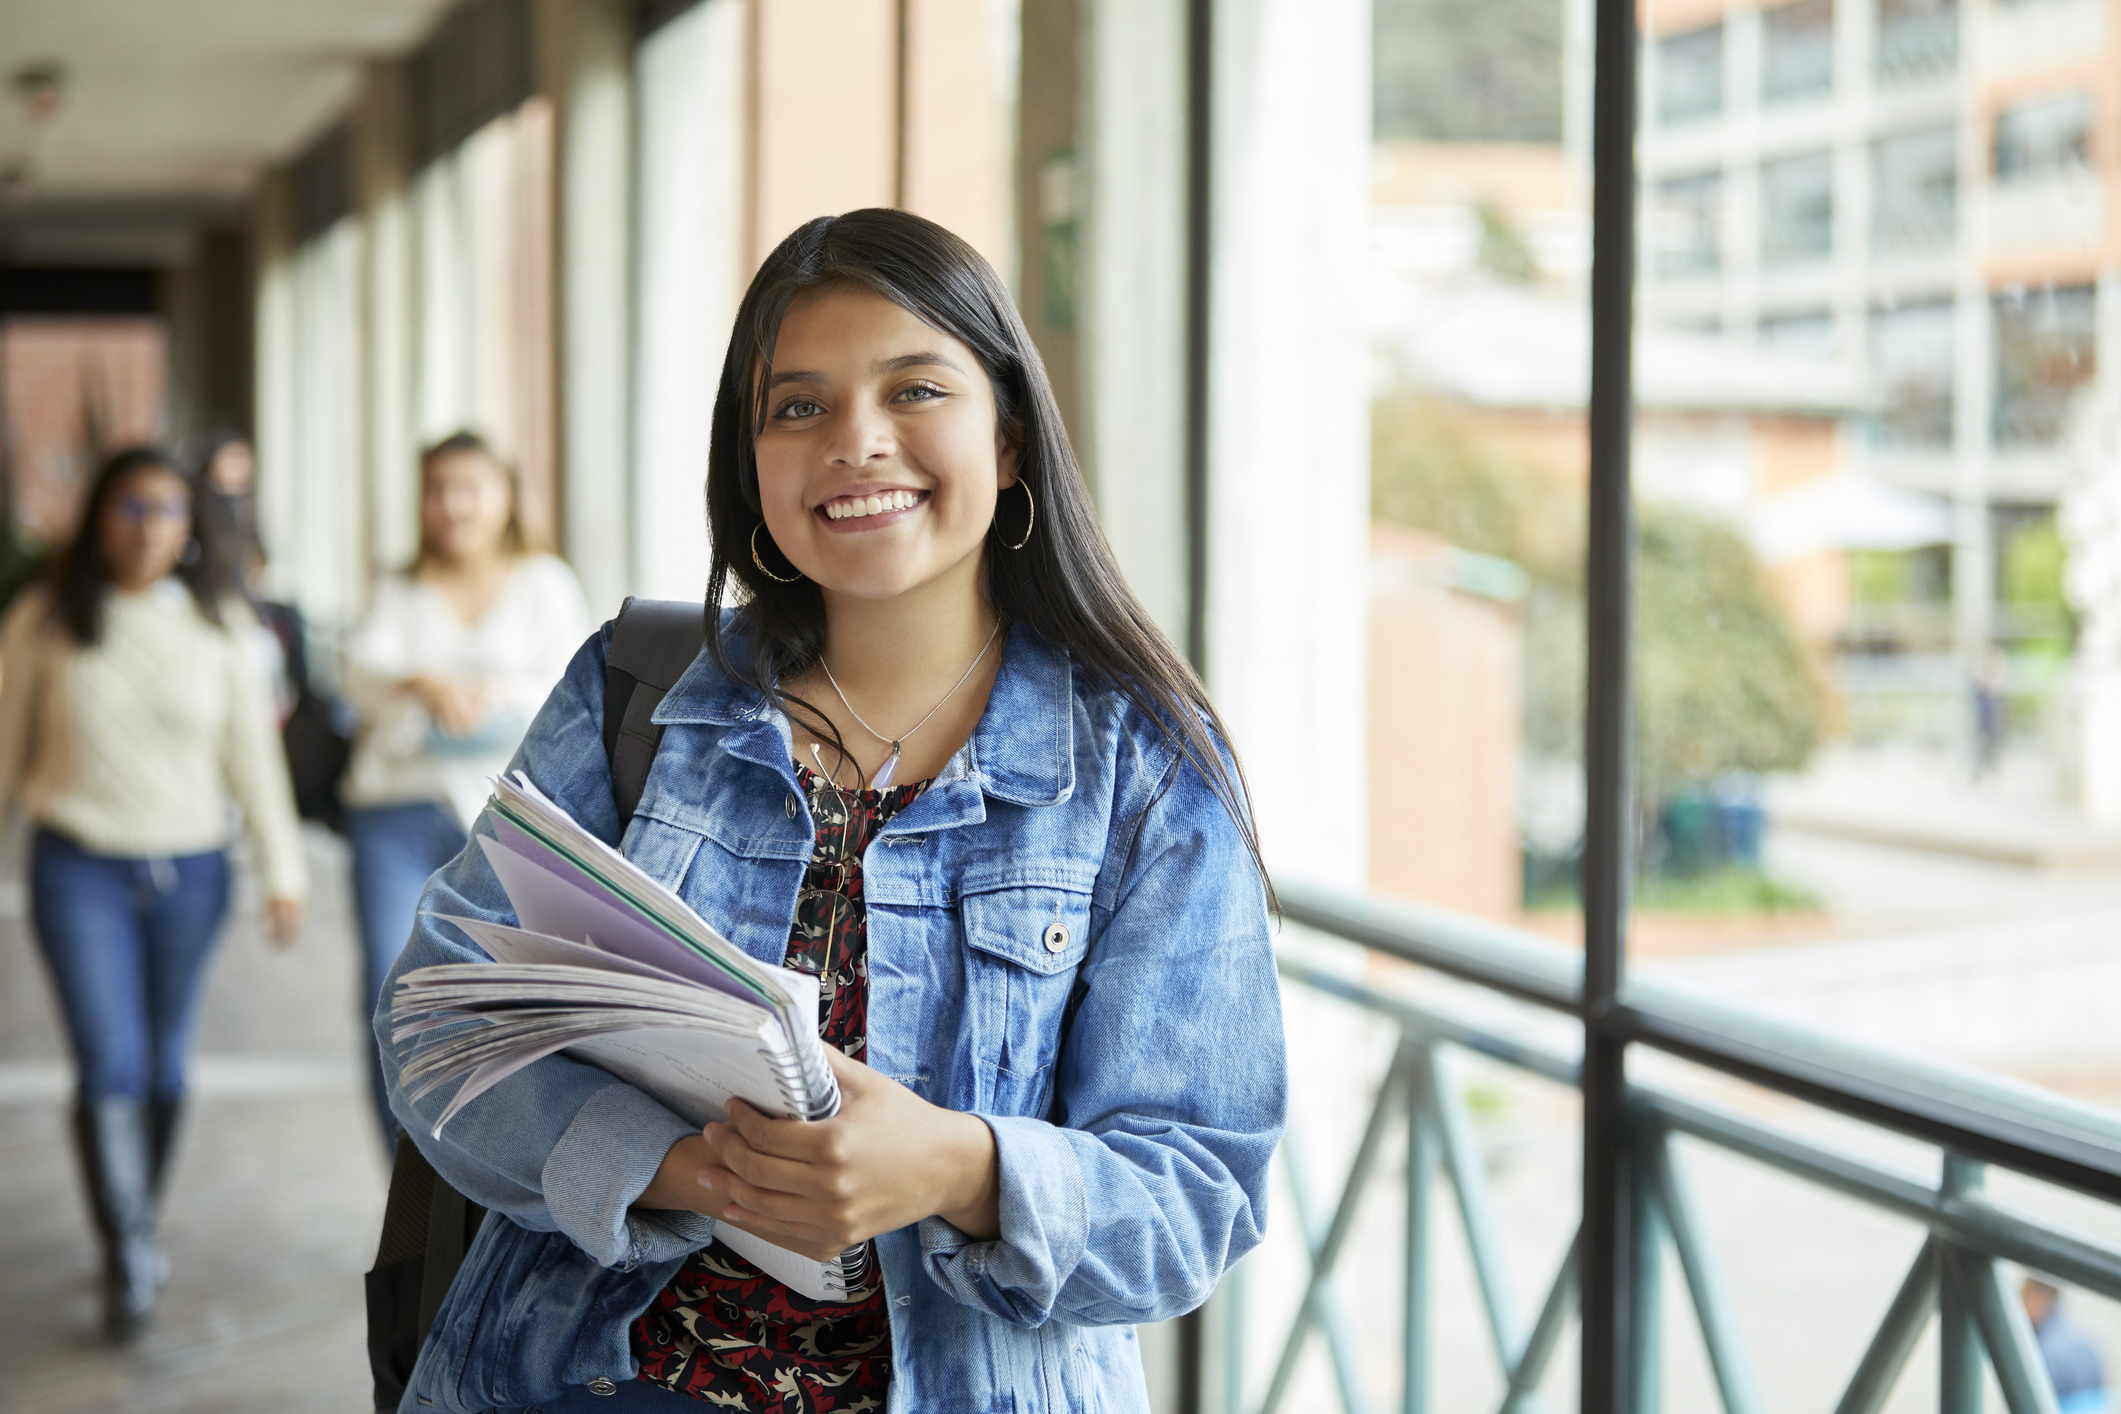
888	772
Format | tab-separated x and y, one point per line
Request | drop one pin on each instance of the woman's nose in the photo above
862	436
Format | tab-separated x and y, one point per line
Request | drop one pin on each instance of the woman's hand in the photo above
283	918
458	707
818	1187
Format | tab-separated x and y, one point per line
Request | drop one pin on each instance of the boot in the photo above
113	1135
162	1117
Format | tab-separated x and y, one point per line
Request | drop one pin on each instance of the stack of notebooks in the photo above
612	967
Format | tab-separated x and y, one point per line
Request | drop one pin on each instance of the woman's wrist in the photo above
972	1181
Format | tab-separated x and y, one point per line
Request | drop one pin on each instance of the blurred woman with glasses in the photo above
937	753
448	665
133	708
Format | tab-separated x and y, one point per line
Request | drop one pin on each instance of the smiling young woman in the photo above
937	754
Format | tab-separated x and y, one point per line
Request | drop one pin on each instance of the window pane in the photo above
1914	191
1912	372
1797	209
1690	75
1480	250
1916	40
1797	51
1808	334
2043	135
1878	692
2046	351
1686	225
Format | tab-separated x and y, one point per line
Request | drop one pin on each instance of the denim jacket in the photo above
1130	1063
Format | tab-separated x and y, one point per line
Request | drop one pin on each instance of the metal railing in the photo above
1955	1276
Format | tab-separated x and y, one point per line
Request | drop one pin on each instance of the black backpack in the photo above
427	1225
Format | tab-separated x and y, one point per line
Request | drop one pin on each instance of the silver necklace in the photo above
889	770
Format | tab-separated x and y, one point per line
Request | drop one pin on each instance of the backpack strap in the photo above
653	642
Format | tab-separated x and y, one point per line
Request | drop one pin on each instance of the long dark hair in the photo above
80	580
1064	583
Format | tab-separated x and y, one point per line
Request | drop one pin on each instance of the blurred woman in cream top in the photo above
453	658
134	706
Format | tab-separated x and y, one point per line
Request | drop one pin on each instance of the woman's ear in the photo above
1009	446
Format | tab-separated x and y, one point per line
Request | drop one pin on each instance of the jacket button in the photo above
789	805
600	1385
1056	937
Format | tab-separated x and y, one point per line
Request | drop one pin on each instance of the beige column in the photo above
588	52
824	112
383	154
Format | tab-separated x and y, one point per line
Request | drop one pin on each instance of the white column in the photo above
1131	182
392	442
592	41
1289	452
689	269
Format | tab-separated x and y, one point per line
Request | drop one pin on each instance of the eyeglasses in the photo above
138	510
820	911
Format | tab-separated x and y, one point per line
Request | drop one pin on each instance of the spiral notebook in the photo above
612	968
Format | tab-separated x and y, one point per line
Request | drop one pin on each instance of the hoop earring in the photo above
1031	520
762	564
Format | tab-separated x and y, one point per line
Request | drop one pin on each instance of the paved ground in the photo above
275	1201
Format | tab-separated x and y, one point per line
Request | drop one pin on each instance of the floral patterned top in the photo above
722	1331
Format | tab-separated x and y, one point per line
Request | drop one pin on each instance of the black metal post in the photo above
1200	210
1200	215
1608	1173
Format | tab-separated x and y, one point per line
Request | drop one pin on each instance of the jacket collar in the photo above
1022	751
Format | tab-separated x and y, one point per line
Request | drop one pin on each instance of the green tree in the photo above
1467	70
1722	681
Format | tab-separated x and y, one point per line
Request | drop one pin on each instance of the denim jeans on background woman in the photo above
395	848
127	942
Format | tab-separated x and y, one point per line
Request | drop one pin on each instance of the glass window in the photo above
1467	70
1914	191
1690	75
1686	225
1797	209
1915	40
1911	374
2044	135
1797	51
2046	350
1806	333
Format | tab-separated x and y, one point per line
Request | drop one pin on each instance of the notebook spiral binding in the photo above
850	1269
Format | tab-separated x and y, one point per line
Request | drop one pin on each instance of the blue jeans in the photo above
127	942
395	848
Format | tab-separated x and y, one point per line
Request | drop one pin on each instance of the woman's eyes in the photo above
797	409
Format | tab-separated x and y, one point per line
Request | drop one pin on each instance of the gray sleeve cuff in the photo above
604	1162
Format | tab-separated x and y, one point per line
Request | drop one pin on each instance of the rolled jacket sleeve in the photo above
560	1146
1170	1096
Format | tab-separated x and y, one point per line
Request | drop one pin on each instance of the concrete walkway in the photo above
275	1201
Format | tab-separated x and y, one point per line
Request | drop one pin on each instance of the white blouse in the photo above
517	650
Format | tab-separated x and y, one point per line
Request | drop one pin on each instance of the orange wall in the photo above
1445	734
826	112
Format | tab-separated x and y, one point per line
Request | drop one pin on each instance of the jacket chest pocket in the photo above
1026	942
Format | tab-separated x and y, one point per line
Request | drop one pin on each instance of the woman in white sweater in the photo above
452	660
133	708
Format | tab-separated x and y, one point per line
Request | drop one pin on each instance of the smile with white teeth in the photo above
850	507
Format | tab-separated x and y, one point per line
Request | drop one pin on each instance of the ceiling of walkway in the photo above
169	104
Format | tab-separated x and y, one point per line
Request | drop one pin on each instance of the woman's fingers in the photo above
766	1169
